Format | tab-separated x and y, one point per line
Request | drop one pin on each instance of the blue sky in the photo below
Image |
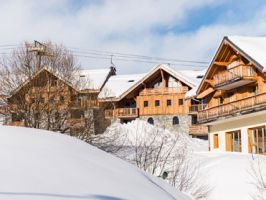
179	29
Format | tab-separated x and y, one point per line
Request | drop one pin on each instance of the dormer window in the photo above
199	76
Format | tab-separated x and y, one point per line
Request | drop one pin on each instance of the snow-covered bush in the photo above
157	151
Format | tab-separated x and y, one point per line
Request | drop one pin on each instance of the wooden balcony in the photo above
158	91
126	113
84	104
248	104
234	77
198	130
193	109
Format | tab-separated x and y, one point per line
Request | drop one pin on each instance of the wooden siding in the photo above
252	102
198	130
235	74
163	108
127	113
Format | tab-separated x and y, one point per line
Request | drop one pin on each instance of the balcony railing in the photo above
198	130
238	72
157	91
233	107
84	104
122	113
197	107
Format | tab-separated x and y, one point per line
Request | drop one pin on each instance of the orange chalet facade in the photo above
233	96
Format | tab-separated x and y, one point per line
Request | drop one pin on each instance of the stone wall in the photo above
100	123
166	121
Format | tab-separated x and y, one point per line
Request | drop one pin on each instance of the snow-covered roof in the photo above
120	85
196	76
94	78
254	47
117	85
183	75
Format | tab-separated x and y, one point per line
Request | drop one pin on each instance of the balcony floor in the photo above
234	84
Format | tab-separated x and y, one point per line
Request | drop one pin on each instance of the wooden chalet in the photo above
47	92
233	96
159	97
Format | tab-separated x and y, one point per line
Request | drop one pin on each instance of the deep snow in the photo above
228	174
37	164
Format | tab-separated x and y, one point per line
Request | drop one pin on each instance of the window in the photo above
169	102
51	99
62	99
215	141
146	103
157	102
42	100
257	140
180	102
175	120
150	120
233	141
77	114
194	119
54	82
16	117
32	100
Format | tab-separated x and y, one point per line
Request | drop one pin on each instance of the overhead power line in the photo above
118	54
6	49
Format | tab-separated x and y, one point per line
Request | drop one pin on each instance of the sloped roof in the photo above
95	78
117	85
253	47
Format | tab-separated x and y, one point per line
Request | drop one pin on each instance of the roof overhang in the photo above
155	69
227	41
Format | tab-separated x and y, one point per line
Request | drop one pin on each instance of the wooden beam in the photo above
205	93
163	79
211	82
221	63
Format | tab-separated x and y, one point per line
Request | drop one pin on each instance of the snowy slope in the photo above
37	164
229	174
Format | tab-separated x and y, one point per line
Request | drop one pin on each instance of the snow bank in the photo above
38	164
229	174
141	130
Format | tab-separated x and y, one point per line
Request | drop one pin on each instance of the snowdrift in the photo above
37	164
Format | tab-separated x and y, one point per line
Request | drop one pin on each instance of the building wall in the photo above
166	121
242	123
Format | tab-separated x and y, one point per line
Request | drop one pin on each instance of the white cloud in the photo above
121	26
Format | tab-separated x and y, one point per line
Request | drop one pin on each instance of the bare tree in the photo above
258	174
40	98
158	152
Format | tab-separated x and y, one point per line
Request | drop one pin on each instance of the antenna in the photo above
112	60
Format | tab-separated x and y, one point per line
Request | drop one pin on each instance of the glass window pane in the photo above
260	140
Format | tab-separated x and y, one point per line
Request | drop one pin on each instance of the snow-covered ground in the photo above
38	164
227	174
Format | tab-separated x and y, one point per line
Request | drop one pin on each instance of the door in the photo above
215	141
233	141
257	140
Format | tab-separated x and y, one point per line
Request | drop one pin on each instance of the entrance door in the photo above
233	141
257	140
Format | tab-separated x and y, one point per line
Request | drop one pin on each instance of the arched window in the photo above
150	120
175	120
